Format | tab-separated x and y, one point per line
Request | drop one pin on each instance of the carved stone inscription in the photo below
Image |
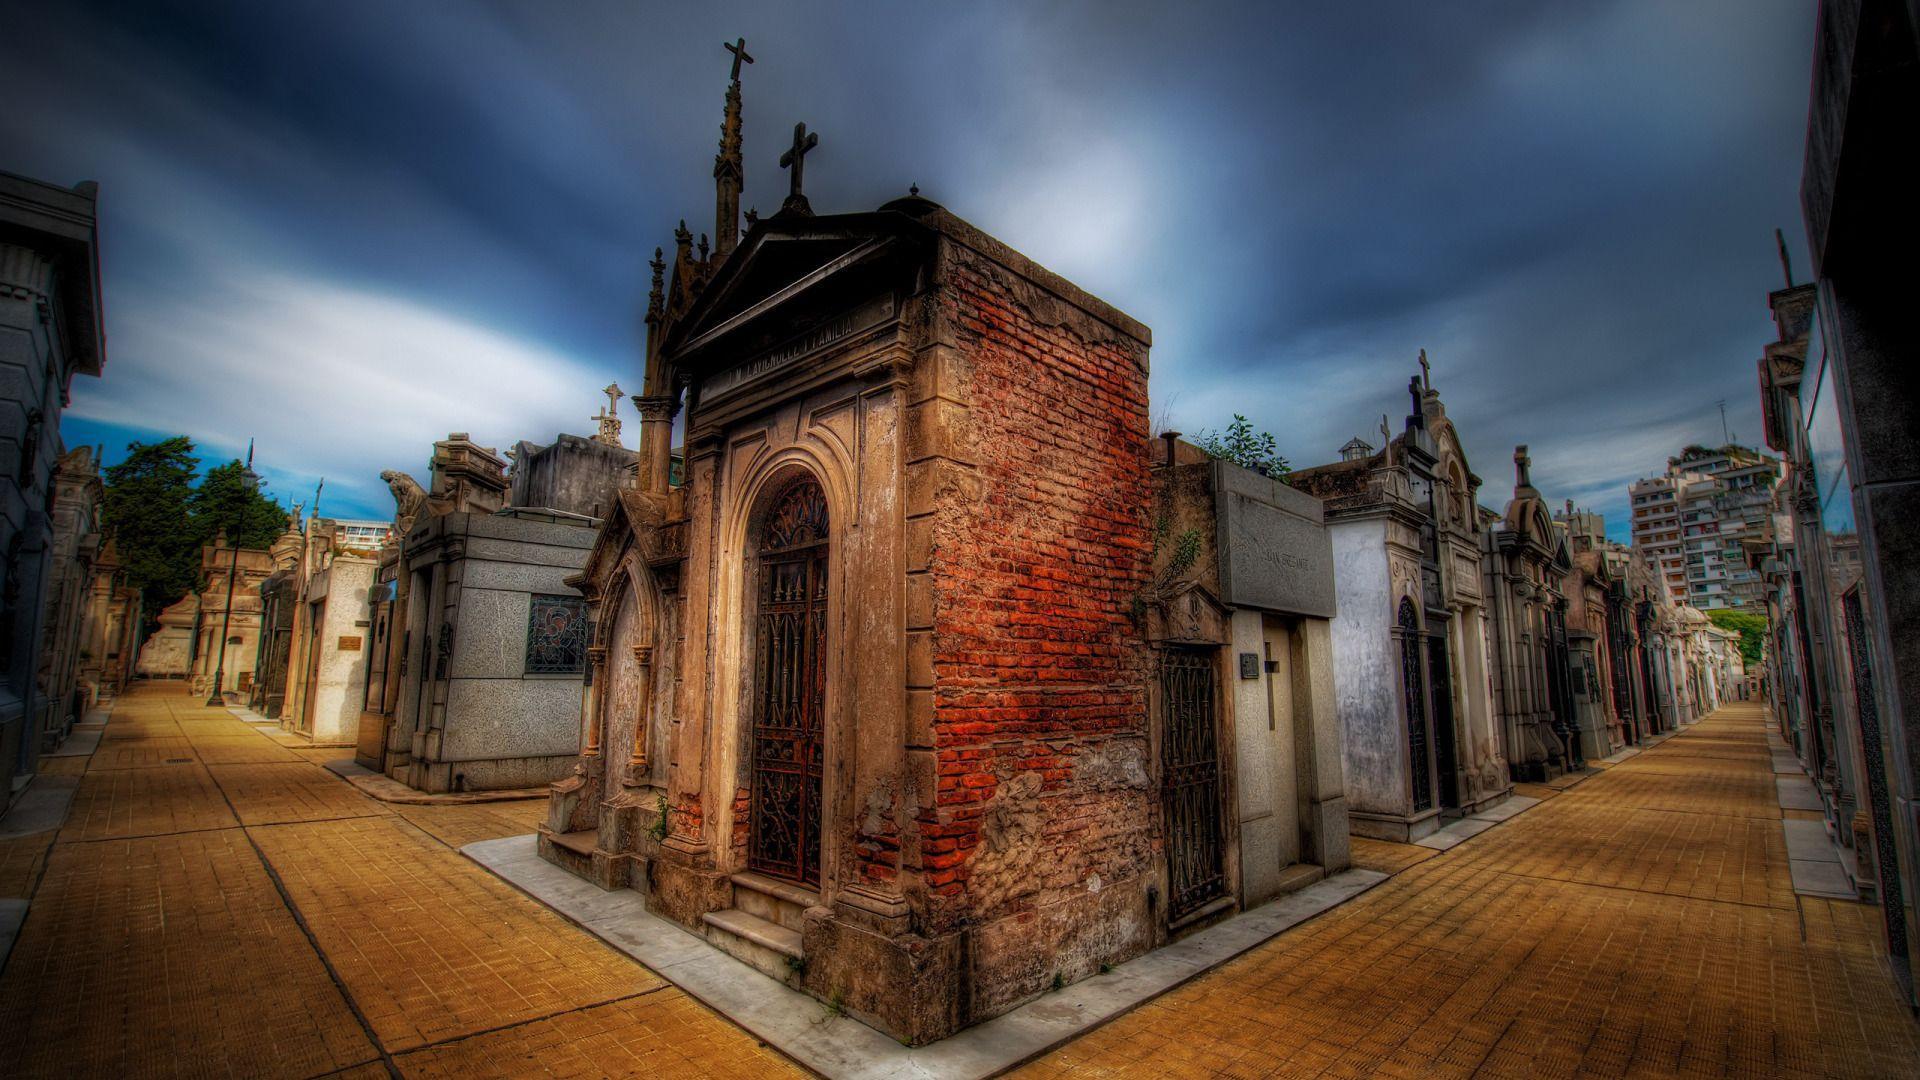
835	330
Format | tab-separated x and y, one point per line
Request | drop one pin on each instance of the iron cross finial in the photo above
795	159
740	55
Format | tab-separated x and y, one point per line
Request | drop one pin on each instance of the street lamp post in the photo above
249	483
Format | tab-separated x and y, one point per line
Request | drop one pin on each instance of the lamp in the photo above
249	483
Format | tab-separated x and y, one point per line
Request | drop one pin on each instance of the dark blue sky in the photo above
349	228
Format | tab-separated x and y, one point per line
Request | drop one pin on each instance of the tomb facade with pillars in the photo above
867	700
1410	640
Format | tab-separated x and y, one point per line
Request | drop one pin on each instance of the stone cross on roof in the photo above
1426	372
609	432
796	159
740	55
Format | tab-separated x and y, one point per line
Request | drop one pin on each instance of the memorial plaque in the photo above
1274	551
350	644
1249	665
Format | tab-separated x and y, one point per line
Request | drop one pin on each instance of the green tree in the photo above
222	503
1751	627
159	519
145	509
1245	447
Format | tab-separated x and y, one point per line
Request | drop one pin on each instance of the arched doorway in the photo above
789	683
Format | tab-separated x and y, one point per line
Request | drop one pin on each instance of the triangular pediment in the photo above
786	264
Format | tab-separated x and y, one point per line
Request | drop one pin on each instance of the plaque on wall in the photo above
350	644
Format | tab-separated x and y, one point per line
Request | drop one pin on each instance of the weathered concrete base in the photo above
387	789
899	984
843	1047
80	743
42	807
1474	824
580	854
491	774
1400	830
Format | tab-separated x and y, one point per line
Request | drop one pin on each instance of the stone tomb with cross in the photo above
867	699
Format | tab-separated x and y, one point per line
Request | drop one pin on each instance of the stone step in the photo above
782	902
580	843
767	947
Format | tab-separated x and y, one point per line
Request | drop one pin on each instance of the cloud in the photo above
1569	206
333	381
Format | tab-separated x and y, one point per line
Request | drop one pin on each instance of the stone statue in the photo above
408	497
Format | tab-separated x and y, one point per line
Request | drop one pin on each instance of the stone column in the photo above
656	441
1316	734
637	764
687	797
590	706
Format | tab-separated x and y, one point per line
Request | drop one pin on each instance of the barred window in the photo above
556	635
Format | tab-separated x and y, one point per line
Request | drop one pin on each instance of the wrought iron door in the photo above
1190	758
789	686
1413	686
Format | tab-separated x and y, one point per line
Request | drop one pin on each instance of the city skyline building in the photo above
1692	520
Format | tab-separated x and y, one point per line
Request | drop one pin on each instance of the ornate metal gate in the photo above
789	686
1190	756
1413	684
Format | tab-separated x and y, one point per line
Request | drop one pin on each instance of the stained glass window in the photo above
556	635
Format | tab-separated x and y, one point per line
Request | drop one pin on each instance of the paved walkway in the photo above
220	904
217	903
1642	923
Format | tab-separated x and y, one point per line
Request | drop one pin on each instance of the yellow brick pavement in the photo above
1641	923
472	953
263	918
169	955
244	912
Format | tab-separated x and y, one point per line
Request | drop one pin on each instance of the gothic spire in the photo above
727	168
657	299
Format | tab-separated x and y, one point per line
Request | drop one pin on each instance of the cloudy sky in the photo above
348	228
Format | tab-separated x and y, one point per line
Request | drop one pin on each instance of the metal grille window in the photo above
556	635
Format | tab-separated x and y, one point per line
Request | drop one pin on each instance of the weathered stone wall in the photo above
572	475
1367	671
340	675
1043	805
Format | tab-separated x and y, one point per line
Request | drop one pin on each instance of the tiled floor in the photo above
245	912
1640	924
218	905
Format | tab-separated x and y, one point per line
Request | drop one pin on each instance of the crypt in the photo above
1528	568
869	697
1589	592
484	651
1238	614
1410	641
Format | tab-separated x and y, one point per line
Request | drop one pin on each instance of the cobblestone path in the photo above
218	904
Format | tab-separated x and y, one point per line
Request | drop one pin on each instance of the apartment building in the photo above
1691	522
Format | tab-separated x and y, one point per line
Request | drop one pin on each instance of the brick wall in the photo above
1039	707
